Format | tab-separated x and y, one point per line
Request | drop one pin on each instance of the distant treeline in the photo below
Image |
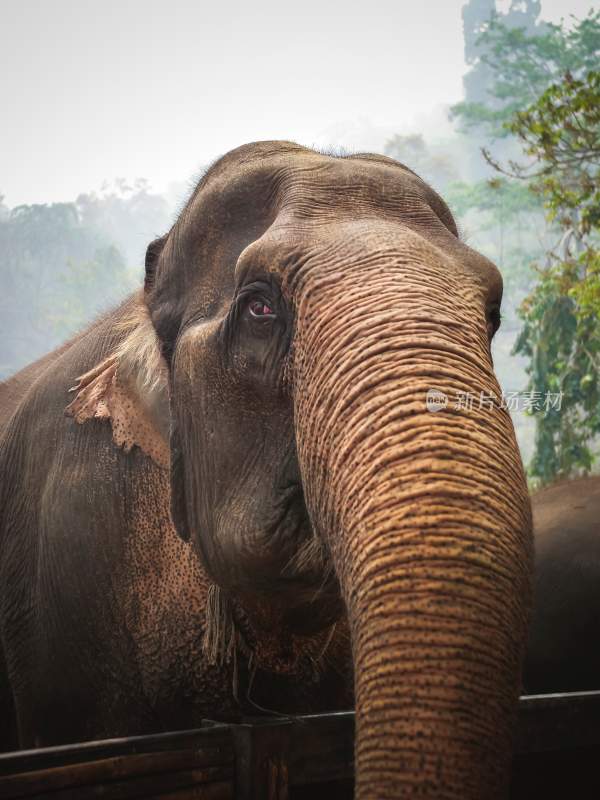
61	264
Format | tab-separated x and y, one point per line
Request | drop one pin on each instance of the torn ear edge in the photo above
130	388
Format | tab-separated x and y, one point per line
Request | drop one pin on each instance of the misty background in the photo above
111	111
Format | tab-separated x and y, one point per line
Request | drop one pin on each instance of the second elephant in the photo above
563	653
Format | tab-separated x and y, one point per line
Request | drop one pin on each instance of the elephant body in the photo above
230	493
563	653
104	624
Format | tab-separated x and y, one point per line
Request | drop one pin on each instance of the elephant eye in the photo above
493	321
258	308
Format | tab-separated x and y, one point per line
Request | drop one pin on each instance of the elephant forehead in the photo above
272	204
352	246
308	184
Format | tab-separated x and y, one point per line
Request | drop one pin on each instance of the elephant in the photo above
230	493
562	653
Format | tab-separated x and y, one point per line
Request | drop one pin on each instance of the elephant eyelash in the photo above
494	319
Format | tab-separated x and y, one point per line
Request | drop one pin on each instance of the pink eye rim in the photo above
259	309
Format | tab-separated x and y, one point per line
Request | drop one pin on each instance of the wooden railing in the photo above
558	742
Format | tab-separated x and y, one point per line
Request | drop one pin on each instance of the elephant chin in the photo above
426	515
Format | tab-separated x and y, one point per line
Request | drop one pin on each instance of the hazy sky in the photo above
94	90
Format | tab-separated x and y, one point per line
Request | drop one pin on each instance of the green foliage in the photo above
524	65
534	86
562	344
36	243
62	264
561	335
561	132
81	284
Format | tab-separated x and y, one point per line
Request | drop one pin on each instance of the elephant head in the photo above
305	305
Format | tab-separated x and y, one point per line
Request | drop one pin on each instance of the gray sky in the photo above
94	90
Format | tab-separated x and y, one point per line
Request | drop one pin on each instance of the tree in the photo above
478	16
85	287
506	212
36	242
63	263
560	134
521	61
430	163
129	215
514	59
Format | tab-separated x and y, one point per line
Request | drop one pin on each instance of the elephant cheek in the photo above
428	521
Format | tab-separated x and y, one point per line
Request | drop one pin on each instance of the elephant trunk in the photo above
426	516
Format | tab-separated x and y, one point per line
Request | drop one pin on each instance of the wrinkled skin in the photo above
248	483
563	653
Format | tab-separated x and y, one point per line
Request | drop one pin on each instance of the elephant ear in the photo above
153	252
130	389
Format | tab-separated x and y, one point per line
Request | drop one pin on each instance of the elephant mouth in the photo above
284	642
284	623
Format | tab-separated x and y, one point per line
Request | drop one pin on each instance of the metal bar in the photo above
212	738
558	722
